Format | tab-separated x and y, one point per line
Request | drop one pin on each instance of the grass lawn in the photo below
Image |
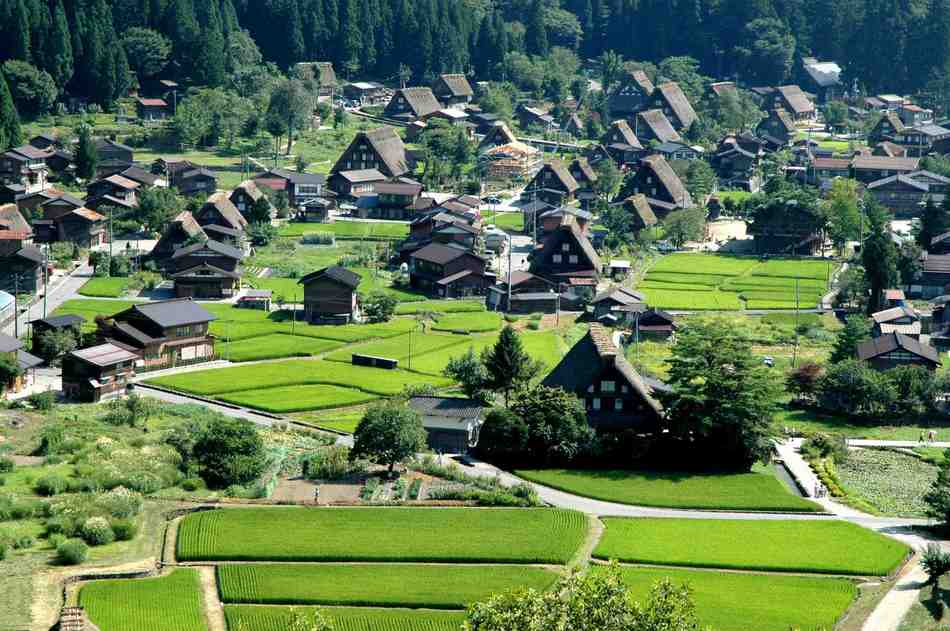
275	346
350	230
89	308
104	287
439	306
823	547
806	421
473	322
756	491
169	603
399	347
374	585
252	618
383	534
698	282
239	324
736	196
341	421
510	221
294	372
728	601
282	400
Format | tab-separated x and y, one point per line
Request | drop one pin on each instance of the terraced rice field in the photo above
474	322
382	535
168	603
697	282
275	346
287	399
253	618
440	306
374	585
728	601
399	347
820	547
352	230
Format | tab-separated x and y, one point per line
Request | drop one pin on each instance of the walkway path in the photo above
910	444
890	611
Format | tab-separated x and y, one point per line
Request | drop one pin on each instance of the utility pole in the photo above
45	276
16	305
795	351
293	312
110	237
508	309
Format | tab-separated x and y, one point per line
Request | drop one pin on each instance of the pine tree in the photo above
508	365
86	155
18	31
60	60
40	23
10	135
209	47
348	37
536	31
878	254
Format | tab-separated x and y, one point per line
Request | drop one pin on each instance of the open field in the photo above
821	547
399	347
474	322
509	221
251	618
374	585
350	230
728	601
169	603
104	287
544	346
808	421
383	534
286	399
721	282
292	372
440	306
757	491
263	325
276	346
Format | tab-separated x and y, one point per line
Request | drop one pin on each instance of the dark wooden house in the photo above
330	296
895	349
246	195
869	169
410	104
448	271
151	109
791	99
21	263
631	94
622	143
41	326
553	184
653	124
98	373
566	258
452	89
299	187
210	269
664	190
615	395
670	99
183	230
381	149
779	126
452	424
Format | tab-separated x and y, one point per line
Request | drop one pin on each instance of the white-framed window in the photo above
595	403
608	386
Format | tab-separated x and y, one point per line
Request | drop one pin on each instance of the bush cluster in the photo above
96	531
72	552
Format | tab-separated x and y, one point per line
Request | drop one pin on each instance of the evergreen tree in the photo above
536	33
40	22
209	47
878	254
348	42
59	62
854	332
87	157
17	32
935	220
508	365
10	135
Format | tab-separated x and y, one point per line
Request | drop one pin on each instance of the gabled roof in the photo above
623	128
450	407
639	205
175	312
796	99
420	100
894	120
215	246
357	176
640	78
88	215
456	84
882	163
9	344
587	359
250	188
894	313
336	273
823	73
59	322
226	208
779	114
295	176
104	355
151	102
388	146
559	169
668	178
877	346
673	95
440	254
205	266
122	182
497	136
137	174
71	200
899	178
659	125
188	223
579	237
12	223
619	294
105	143
582	165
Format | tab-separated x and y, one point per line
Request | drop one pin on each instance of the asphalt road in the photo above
62	289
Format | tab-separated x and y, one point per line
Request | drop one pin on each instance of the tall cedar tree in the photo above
934	221
59	62
854	332
87	157
878	254
10	135
721	395
536	34
509	367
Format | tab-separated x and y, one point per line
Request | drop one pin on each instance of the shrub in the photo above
331	463
96	531
825	446
235	490
57	525
120	503
124	529
52	484
23	542
43	401
935	562
3	551
414	489
191	484
56	539
318	238
6	464
72	552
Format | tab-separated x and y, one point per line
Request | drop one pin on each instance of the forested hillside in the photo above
88	46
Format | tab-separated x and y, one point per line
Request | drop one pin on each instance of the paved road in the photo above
909	444
61	289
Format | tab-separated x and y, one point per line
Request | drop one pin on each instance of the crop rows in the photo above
169	603
382	535
253	618
287	399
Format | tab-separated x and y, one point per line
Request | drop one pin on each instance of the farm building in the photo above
259	299
566	256
901	319
210	269
409	104
669	98
381	149
896	349
622	143
452	89
654	125
330	296
614	394
451	423
553	184
606	302
654	324
98	373
12	349
54	323
449	271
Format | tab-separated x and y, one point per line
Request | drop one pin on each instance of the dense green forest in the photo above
88	47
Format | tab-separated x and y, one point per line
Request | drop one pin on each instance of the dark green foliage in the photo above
556	421
469	371
33	89
72	552
51	484
508	365
9	370
87	157
850	386
855	331
55	343
148	51
225	450
124	529
379	306
43	401
6	464
720	395
938	497
388	433
10	134
879	255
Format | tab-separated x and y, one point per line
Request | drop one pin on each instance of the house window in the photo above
607	386
618	404
573	259
565	247
557	258
595	403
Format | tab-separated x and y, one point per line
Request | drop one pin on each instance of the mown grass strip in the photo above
251	618
374	585
168	603
275	346
756	491
443	535
728	601
815	546
287	399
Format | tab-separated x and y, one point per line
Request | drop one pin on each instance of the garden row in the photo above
720	282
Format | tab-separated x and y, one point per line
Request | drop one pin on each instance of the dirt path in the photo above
214	611
889	613
595	531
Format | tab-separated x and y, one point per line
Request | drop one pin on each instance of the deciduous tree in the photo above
388	433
